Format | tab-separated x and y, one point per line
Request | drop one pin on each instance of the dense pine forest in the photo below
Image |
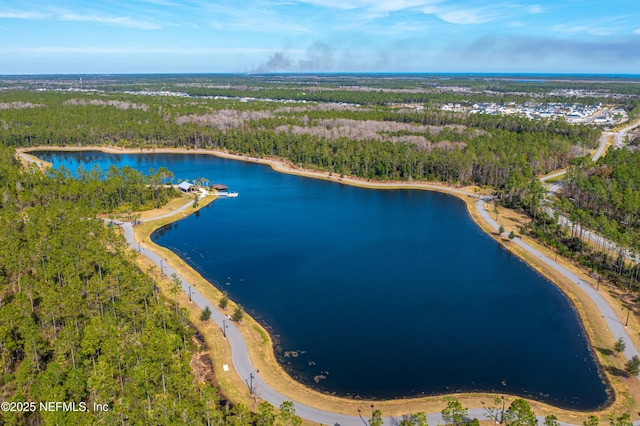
79	322
371	142
606	194
604	197
372	127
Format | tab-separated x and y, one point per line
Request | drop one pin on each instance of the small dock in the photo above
223	190
220	187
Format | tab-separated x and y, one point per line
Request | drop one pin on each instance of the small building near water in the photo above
220	187
186	187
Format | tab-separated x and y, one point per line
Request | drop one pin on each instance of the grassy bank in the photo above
260	346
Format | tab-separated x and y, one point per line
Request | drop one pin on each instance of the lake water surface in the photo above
374	293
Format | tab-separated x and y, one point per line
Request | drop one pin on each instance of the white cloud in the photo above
581	29
21	15
457	13
396	5
119	21
402	27
535	9
637	31
254	19
462	16
162	3
94	50
375	5
600	26
264	26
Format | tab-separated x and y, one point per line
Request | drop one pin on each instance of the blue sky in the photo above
167	36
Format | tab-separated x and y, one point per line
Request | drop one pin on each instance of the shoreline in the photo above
470	199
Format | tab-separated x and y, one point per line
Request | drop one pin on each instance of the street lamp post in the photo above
224	328
502	417
626	323
190	301
251	381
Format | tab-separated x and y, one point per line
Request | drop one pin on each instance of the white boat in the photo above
227	194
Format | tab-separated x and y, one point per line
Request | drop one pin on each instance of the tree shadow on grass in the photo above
616	371
605	351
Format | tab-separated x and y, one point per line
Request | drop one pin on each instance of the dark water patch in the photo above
381	294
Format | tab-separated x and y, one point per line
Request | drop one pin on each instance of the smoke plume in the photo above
318	57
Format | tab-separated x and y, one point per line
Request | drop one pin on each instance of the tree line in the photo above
604	197
487	151
81	323
518	413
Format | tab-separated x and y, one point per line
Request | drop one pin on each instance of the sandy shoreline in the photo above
596	331
275	164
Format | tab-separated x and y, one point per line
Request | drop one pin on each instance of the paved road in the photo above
597	238
619	143
243	367
619	135
616	327
566	222
171	213
601	147
240	357
239	353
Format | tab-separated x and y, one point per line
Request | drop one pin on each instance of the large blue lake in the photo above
376	293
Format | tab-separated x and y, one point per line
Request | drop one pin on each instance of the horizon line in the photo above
335	73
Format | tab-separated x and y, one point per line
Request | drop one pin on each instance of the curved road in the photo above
556	186
601	147
599	151
244	368
240	356
616	327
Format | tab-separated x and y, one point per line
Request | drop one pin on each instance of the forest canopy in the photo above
80	323
431	145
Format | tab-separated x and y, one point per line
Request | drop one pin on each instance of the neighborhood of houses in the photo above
599	114
573	113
